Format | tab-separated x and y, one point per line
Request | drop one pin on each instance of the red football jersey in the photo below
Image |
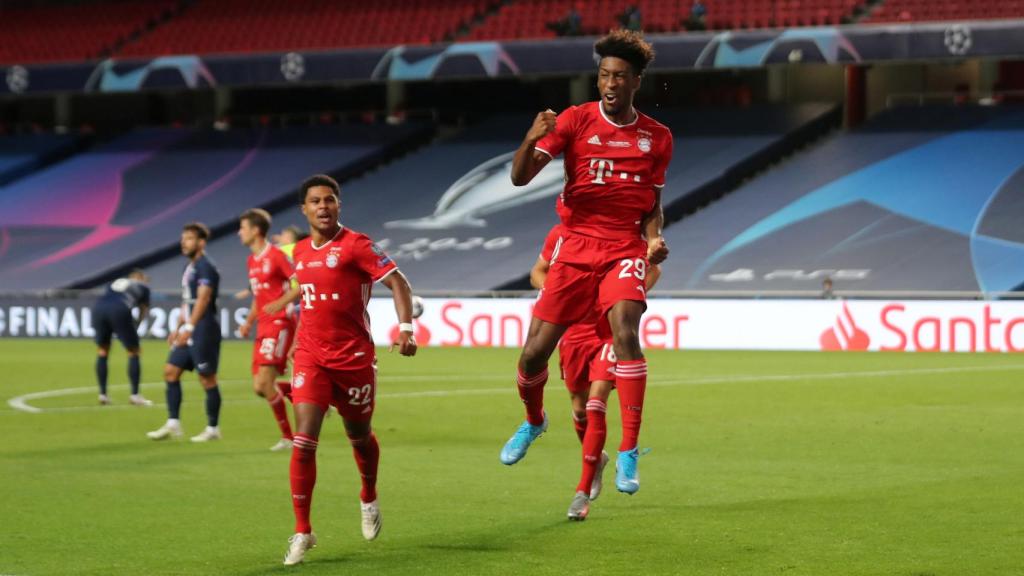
270	275
336	281
611	171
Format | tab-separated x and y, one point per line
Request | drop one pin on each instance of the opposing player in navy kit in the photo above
196	340
112	315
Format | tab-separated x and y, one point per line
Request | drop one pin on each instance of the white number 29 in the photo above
636	268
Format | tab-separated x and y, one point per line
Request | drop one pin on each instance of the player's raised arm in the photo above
401	291
528	161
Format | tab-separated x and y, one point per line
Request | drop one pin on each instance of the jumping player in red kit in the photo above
335	362
587	363
610	208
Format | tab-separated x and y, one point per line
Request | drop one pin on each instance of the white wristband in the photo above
186	327
406	327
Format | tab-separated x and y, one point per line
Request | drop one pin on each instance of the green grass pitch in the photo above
762	463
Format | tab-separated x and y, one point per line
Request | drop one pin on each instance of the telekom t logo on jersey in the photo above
308	295
601	168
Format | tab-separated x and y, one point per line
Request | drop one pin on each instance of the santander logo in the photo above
420	332
845	335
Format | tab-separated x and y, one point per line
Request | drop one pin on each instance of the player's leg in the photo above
532	375
270	361
355	398
205	350
594	456
264	384
178	361
578	400
102	353
103	331
312	397
631	381
128	334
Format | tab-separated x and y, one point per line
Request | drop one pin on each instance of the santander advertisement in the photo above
876	325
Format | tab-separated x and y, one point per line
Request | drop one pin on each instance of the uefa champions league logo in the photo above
958	39
17	79
293	66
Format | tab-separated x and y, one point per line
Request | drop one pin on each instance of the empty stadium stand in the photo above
530	18
927	10
23	153
918	199
69	32
233	26
127	199
450	216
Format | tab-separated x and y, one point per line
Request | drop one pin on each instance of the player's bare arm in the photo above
246	326
143	313
277	305
203	298
528	161
401	291
657	248
539	273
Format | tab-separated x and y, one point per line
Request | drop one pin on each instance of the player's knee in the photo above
579	415
102	352
532	360
171	373
626	342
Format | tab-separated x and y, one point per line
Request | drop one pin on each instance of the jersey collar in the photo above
315	247
636	116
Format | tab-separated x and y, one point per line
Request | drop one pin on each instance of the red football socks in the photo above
631	383
531	390
303	478
277	405
580	424
367	454
593	442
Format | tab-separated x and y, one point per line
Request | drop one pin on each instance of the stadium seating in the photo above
69	32
925	10
233	26
129	198
451	218
21	154
530	18
917	199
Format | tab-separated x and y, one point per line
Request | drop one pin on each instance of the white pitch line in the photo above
21	402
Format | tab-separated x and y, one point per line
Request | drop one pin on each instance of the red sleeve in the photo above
283	265
549	243
372	259
555	142
661	163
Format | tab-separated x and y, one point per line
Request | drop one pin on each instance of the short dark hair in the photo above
299	233
197	228
318	180
139	273
628	45
259	218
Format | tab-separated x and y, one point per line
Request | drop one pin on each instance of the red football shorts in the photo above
352	392
273	340
585	361
589	272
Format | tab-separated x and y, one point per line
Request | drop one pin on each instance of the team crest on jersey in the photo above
644	144
331	260
299	380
